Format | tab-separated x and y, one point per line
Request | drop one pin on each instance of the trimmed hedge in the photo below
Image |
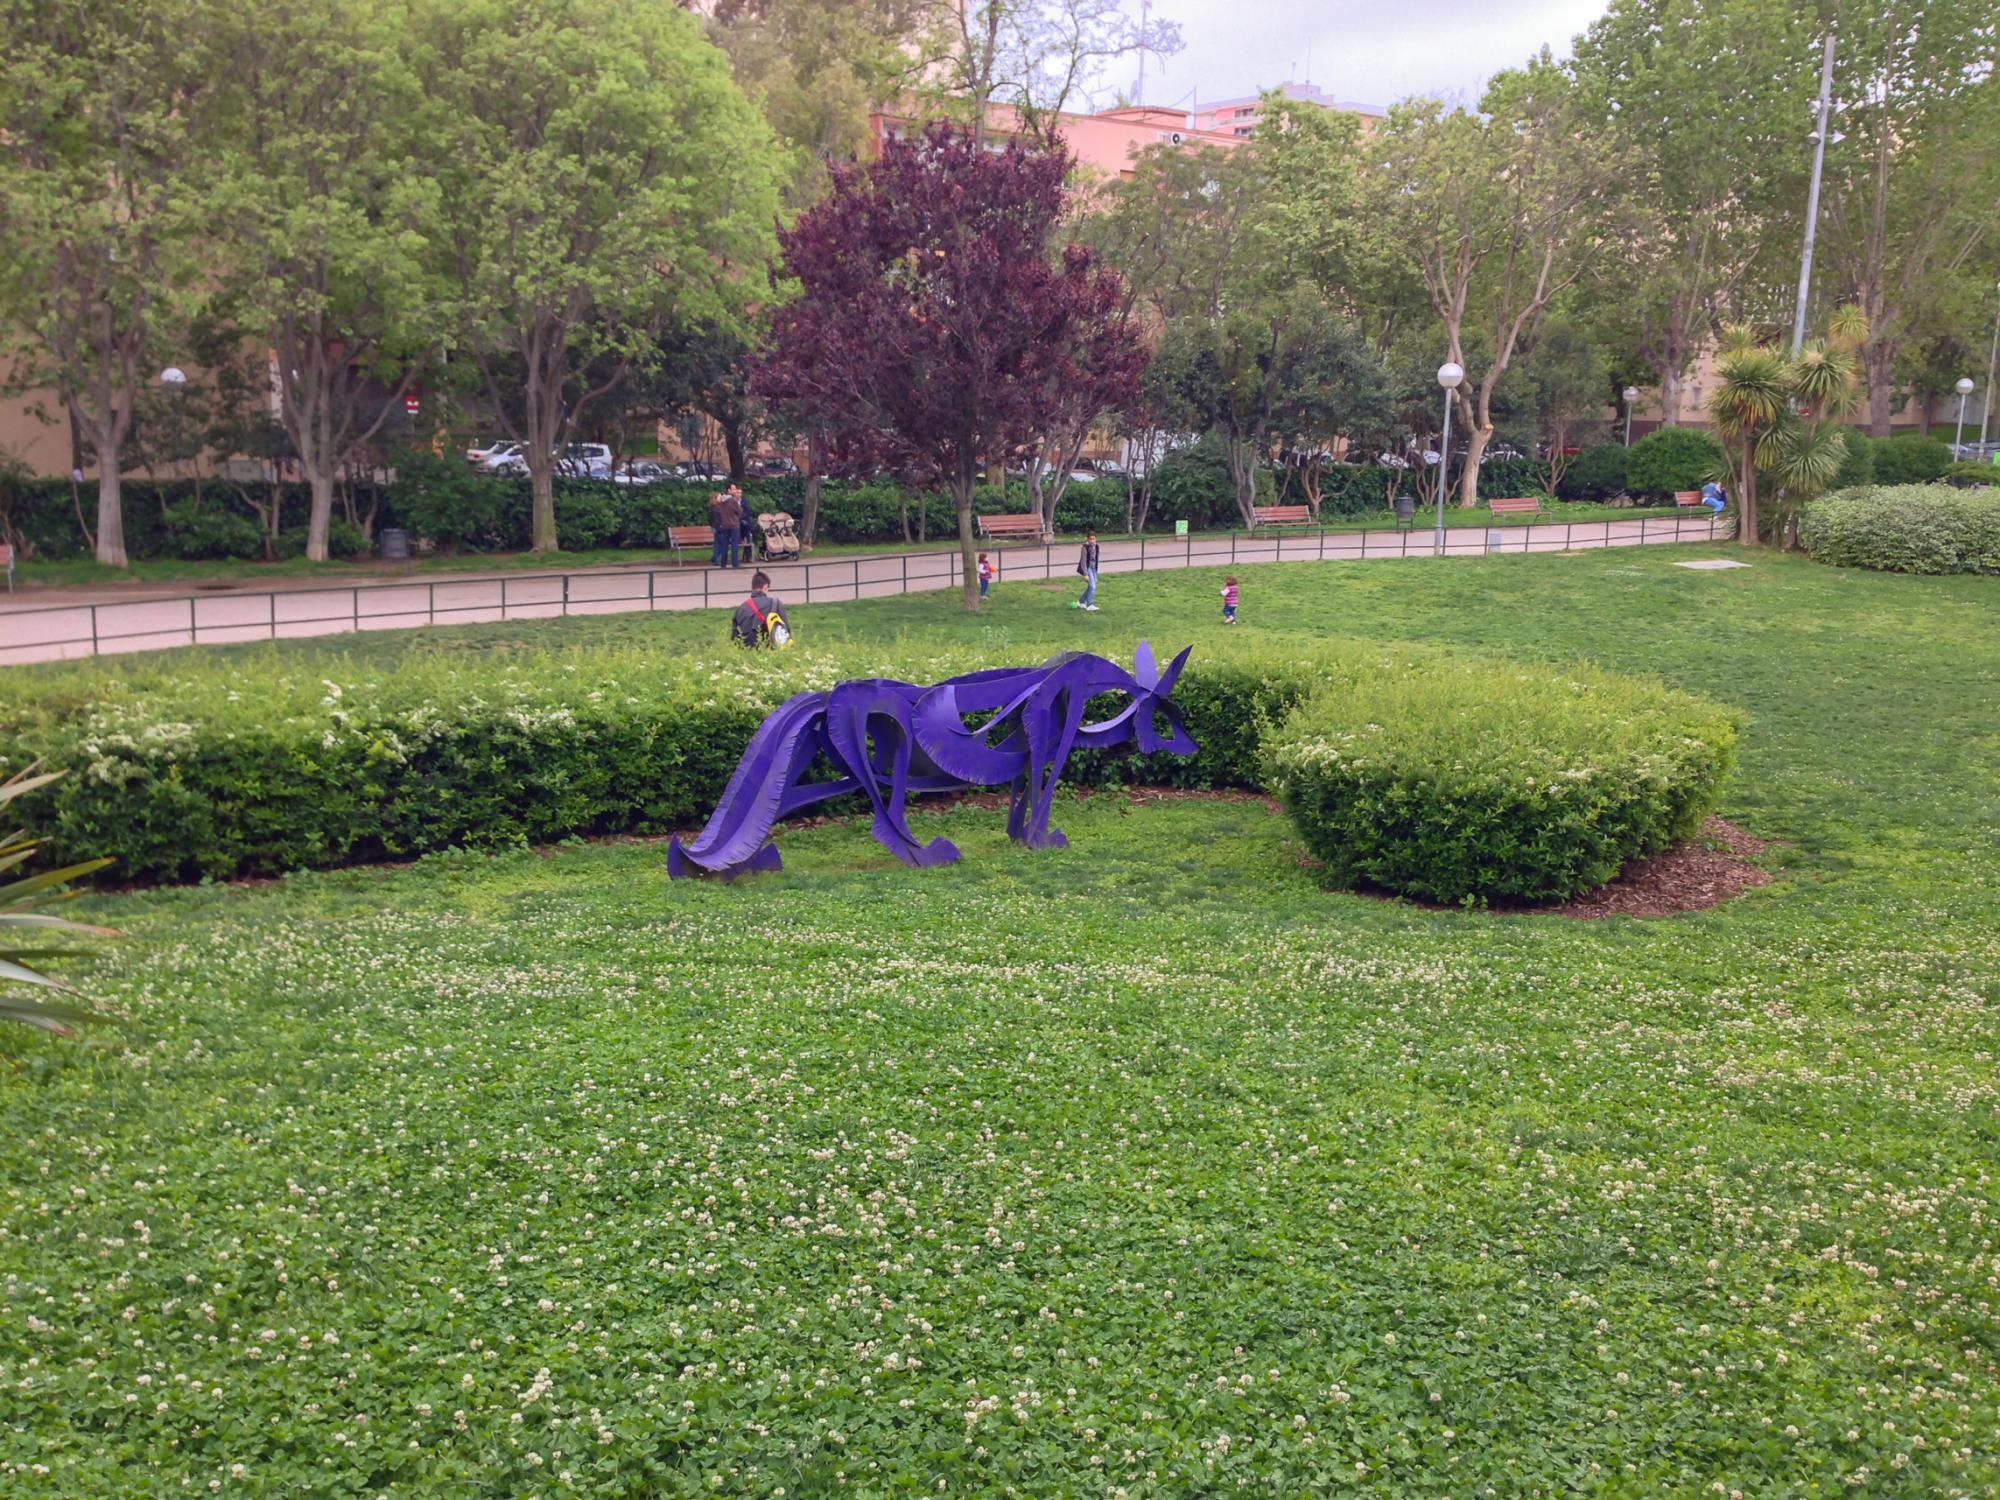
1674	458
1908	528
456	508
188	774
1909	458
1466	782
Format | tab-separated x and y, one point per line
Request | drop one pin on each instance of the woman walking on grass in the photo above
1086	567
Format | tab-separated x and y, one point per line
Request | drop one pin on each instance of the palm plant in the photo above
1751	398
26	994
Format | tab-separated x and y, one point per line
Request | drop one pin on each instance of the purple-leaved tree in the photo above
936	327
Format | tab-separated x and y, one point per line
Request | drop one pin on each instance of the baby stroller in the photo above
780	535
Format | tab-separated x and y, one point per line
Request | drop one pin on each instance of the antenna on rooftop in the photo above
1145	18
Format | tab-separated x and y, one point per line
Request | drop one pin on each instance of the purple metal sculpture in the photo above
888	739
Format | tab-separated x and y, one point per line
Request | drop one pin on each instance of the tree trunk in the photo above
1468	479
542	487
320	482
1876	361
1670	398
1243	475
732	446
968	560
809	522
1746	503
110	513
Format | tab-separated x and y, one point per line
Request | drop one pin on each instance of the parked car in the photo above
775	468
494	452
585	461
698	472
1084	476
642	471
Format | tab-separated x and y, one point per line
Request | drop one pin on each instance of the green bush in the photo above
1670	460
1192	484
1466	782
1910	458
1970	472
192	774
206	533
1908	528
446	501
1857	464
1596	474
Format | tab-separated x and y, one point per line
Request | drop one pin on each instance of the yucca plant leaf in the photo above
18	916
55	924
33	884
44	1015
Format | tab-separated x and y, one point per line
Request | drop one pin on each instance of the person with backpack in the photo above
760	619
1086	568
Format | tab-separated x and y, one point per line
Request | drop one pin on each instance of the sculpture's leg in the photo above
1051	735
847	742
680	867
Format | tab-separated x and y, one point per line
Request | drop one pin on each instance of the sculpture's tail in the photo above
735	840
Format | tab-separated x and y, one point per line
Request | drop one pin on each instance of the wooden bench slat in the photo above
1518	505
1687	498
1282	515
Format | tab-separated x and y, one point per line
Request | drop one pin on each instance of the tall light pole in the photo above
1812	198
1992	359
1631	395
1964	389
1449	376
173	380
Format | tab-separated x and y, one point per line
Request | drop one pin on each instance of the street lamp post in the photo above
173	379
1449	376
1992	359
1964	389
1631	395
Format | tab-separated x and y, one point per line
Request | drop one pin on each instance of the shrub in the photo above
1910	458
1672	459
1597	474
1970	472
1857	464
1467	782
262	769
1909	528
206	533
447	502
1192	484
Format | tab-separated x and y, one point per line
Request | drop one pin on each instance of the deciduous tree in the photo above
601	173
1503	212
105	106
938	326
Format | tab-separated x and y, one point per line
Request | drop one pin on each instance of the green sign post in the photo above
1180	527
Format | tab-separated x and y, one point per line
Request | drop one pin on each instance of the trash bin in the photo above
1495	540
395	544
1406	510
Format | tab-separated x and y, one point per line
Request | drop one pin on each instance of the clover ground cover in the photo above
1147	1166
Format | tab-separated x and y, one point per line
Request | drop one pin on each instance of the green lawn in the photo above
1145	1167
82	572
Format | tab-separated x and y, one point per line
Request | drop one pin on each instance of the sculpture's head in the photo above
1156	719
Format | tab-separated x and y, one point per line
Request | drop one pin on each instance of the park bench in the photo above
1026	528
1280	515
1687	499
691	538
1520	505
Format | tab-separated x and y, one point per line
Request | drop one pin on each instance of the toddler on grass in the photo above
1229	601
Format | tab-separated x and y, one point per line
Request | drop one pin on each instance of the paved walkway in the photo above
124	622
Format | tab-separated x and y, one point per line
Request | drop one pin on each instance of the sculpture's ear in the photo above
1173	673
1144	667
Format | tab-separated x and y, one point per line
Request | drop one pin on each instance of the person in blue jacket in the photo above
1713	497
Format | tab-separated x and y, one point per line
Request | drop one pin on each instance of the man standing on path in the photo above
746	529
725	517
1086	566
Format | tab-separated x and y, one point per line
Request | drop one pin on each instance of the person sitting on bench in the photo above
1713	497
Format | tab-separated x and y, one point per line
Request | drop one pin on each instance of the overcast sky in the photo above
1370	51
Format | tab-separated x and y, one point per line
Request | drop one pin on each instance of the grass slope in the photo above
1147	1166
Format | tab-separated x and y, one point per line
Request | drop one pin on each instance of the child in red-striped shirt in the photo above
1229	601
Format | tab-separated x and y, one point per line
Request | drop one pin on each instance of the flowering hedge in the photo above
1465	781
188	774
1906	528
